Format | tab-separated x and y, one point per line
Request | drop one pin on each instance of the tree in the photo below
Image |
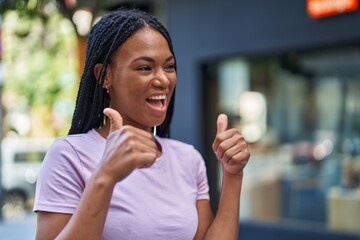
80	14
41	67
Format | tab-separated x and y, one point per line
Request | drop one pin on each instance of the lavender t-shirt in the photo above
151	203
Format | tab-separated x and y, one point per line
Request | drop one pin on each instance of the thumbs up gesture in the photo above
230	147
127	148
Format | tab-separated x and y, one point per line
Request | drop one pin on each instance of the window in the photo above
305	136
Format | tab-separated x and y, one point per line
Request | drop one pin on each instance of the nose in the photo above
161	79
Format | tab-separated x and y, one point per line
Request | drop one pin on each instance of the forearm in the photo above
89	219
226	222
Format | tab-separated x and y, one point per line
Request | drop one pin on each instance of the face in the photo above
141	79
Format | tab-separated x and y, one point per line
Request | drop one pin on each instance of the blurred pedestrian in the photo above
118	175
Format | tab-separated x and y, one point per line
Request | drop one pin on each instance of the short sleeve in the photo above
60	183
202	181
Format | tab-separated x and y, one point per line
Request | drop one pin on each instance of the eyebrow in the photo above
149	59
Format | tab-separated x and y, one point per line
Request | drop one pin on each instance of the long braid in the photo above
105	37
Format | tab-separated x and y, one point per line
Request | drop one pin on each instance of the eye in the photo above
170	67
144	68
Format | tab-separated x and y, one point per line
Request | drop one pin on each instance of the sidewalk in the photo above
19	229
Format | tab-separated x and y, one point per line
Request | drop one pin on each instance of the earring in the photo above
107	88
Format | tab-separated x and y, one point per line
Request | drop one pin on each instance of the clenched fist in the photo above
230	147
127	148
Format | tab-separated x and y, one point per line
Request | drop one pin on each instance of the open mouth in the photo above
157	101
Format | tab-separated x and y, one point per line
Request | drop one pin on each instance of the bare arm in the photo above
231	150
226	222
49	224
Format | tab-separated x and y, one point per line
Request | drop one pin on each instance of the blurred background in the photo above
287	73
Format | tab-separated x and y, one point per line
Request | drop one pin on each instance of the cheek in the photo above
172	80
127	93
122	84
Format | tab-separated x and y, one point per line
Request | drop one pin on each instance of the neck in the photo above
104	130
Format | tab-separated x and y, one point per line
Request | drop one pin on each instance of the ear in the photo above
97	70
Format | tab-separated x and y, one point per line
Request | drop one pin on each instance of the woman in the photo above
112	177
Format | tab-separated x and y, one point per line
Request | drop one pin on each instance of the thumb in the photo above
116	121
222	123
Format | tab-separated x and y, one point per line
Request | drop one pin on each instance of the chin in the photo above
159	121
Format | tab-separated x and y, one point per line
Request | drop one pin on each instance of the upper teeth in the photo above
161	97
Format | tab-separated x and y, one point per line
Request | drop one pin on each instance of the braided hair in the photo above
106	36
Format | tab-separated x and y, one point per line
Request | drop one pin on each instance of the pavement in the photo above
21	228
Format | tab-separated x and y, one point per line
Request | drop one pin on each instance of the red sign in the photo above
326	8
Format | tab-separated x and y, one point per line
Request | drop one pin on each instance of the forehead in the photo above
144	41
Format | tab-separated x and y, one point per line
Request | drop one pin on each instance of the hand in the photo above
230	147
126	148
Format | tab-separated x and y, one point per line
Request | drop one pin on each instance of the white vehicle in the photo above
21	159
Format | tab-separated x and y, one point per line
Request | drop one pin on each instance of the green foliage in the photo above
41	63
29	8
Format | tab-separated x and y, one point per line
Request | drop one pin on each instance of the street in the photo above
18	229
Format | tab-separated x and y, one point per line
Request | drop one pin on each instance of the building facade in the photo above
290	82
